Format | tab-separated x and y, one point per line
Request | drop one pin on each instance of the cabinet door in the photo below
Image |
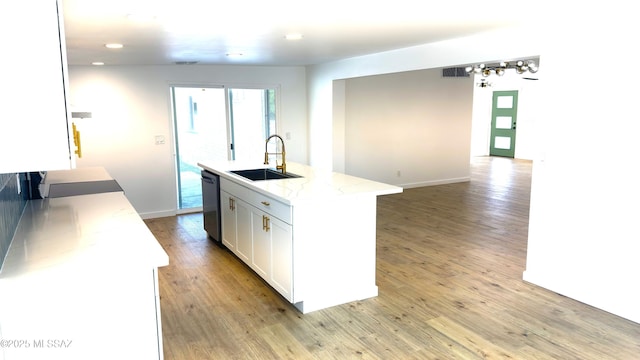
229	222
35	132
244	247
261	260
282	258
272	252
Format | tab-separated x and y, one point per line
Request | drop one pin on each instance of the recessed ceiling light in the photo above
114	46
97	63
293	36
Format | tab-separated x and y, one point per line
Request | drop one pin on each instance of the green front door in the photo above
503	123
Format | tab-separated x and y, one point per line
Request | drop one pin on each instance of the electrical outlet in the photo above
399	173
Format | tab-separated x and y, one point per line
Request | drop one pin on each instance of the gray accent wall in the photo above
12	204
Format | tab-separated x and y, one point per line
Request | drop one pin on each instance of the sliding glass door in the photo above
252	119
215	124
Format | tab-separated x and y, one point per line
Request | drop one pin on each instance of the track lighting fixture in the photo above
521	67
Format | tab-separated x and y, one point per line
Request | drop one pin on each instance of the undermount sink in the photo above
263	174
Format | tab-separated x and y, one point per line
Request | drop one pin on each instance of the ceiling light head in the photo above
114	46
483	83
500	69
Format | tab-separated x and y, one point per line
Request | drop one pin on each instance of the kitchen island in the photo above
312	238
80	282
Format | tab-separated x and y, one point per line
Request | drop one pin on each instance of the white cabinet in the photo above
272	255
261	231
281	243
253	229
229	221
243	217
236	225
35	134
82	269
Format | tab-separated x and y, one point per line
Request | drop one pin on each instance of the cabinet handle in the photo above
265	203
265	223
232	204
76	141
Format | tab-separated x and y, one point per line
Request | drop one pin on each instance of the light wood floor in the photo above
449	268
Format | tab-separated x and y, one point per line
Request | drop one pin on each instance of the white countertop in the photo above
81	269
87	174
96	173
78	235
313	184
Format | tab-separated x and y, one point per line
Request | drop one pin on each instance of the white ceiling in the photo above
206	30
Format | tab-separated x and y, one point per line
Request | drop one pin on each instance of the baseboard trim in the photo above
435	182
157	214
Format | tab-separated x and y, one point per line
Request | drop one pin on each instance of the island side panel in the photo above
334	246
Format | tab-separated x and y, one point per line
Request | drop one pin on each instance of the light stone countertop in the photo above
82	234
314	184
94	173
78	175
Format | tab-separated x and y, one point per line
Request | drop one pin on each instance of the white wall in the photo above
489	46
410	129
584	238
131	106
339	117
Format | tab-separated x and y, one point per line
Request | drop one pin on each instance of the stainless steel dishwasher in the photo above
211	205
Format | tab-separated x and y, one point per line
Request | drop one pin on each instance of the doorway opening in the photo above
216	124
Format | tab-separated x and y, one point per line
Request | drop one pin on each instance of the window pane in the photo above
505	102
502	142
253	119
503	122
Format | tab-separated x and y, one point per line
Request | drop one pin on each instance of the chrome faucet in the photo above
282	167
